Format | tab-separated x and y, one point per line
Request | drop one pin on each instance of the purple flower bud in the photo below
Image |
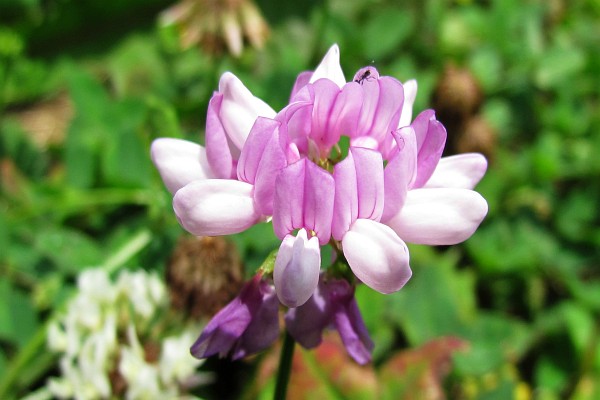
247	325
333	303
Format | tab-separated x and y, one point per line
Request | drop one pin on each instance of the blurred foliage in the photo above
86	86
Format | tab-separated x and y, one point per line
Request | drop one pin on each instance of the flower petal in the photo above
431	138
344	114
223	330
263	330
179	162
239	109
301	81
369	178
228	325
353	332
216	207
382	105
297	266
304	195
400	172
377	256
330	68
220	152
459	171
359	189
324	93
442	216
306	323
261	133
345	210
410	94
273	161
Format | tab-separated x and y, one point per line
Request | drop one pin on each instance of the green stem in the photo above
285	367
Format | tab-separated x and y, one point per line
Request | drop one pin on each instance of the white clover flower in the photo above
101	334
145	292
175	365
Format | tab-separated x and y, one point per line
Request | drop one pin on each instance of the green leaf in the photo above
386	30
529	245
87	129
70	250
437	301
558	65
375	310
125	156
494	340
18	318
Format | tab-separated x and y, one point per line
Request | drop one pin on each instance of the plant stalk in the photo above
285	367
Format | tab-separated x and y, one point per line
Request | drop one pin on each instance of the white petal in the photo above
240	108
377	256
216	207
439	216
179	162
410	94
459	171
297	266
330	68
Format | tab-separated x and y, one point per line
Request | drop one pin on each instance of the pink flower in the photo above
391	188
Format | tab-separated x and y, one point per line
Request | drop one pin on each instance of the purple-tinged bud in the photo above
247	325
333	303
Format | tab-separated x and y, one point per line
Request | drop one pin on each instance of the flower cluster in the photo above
391	186
104	342
217	24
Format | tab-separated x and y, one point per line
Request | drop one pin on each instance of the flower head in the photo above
215	24
104	337
391	187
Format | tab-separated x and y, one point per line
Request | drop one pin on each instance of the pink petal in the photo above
216	207
330	68
459	171
261	133
421	125
325	94
296	124
359	184
179	162
297	267
304	195
260	162
366	142
431	138
389	107
410	94
400	172
345	112
381	109
301	81
345	210
353	332
273	161
219	150
369	177
377	256
439	216
239	109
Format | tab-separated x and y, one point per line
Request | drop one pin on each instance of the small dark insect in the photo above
364	77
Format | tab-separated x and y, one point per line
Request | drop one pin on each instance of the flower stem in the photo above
285	367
